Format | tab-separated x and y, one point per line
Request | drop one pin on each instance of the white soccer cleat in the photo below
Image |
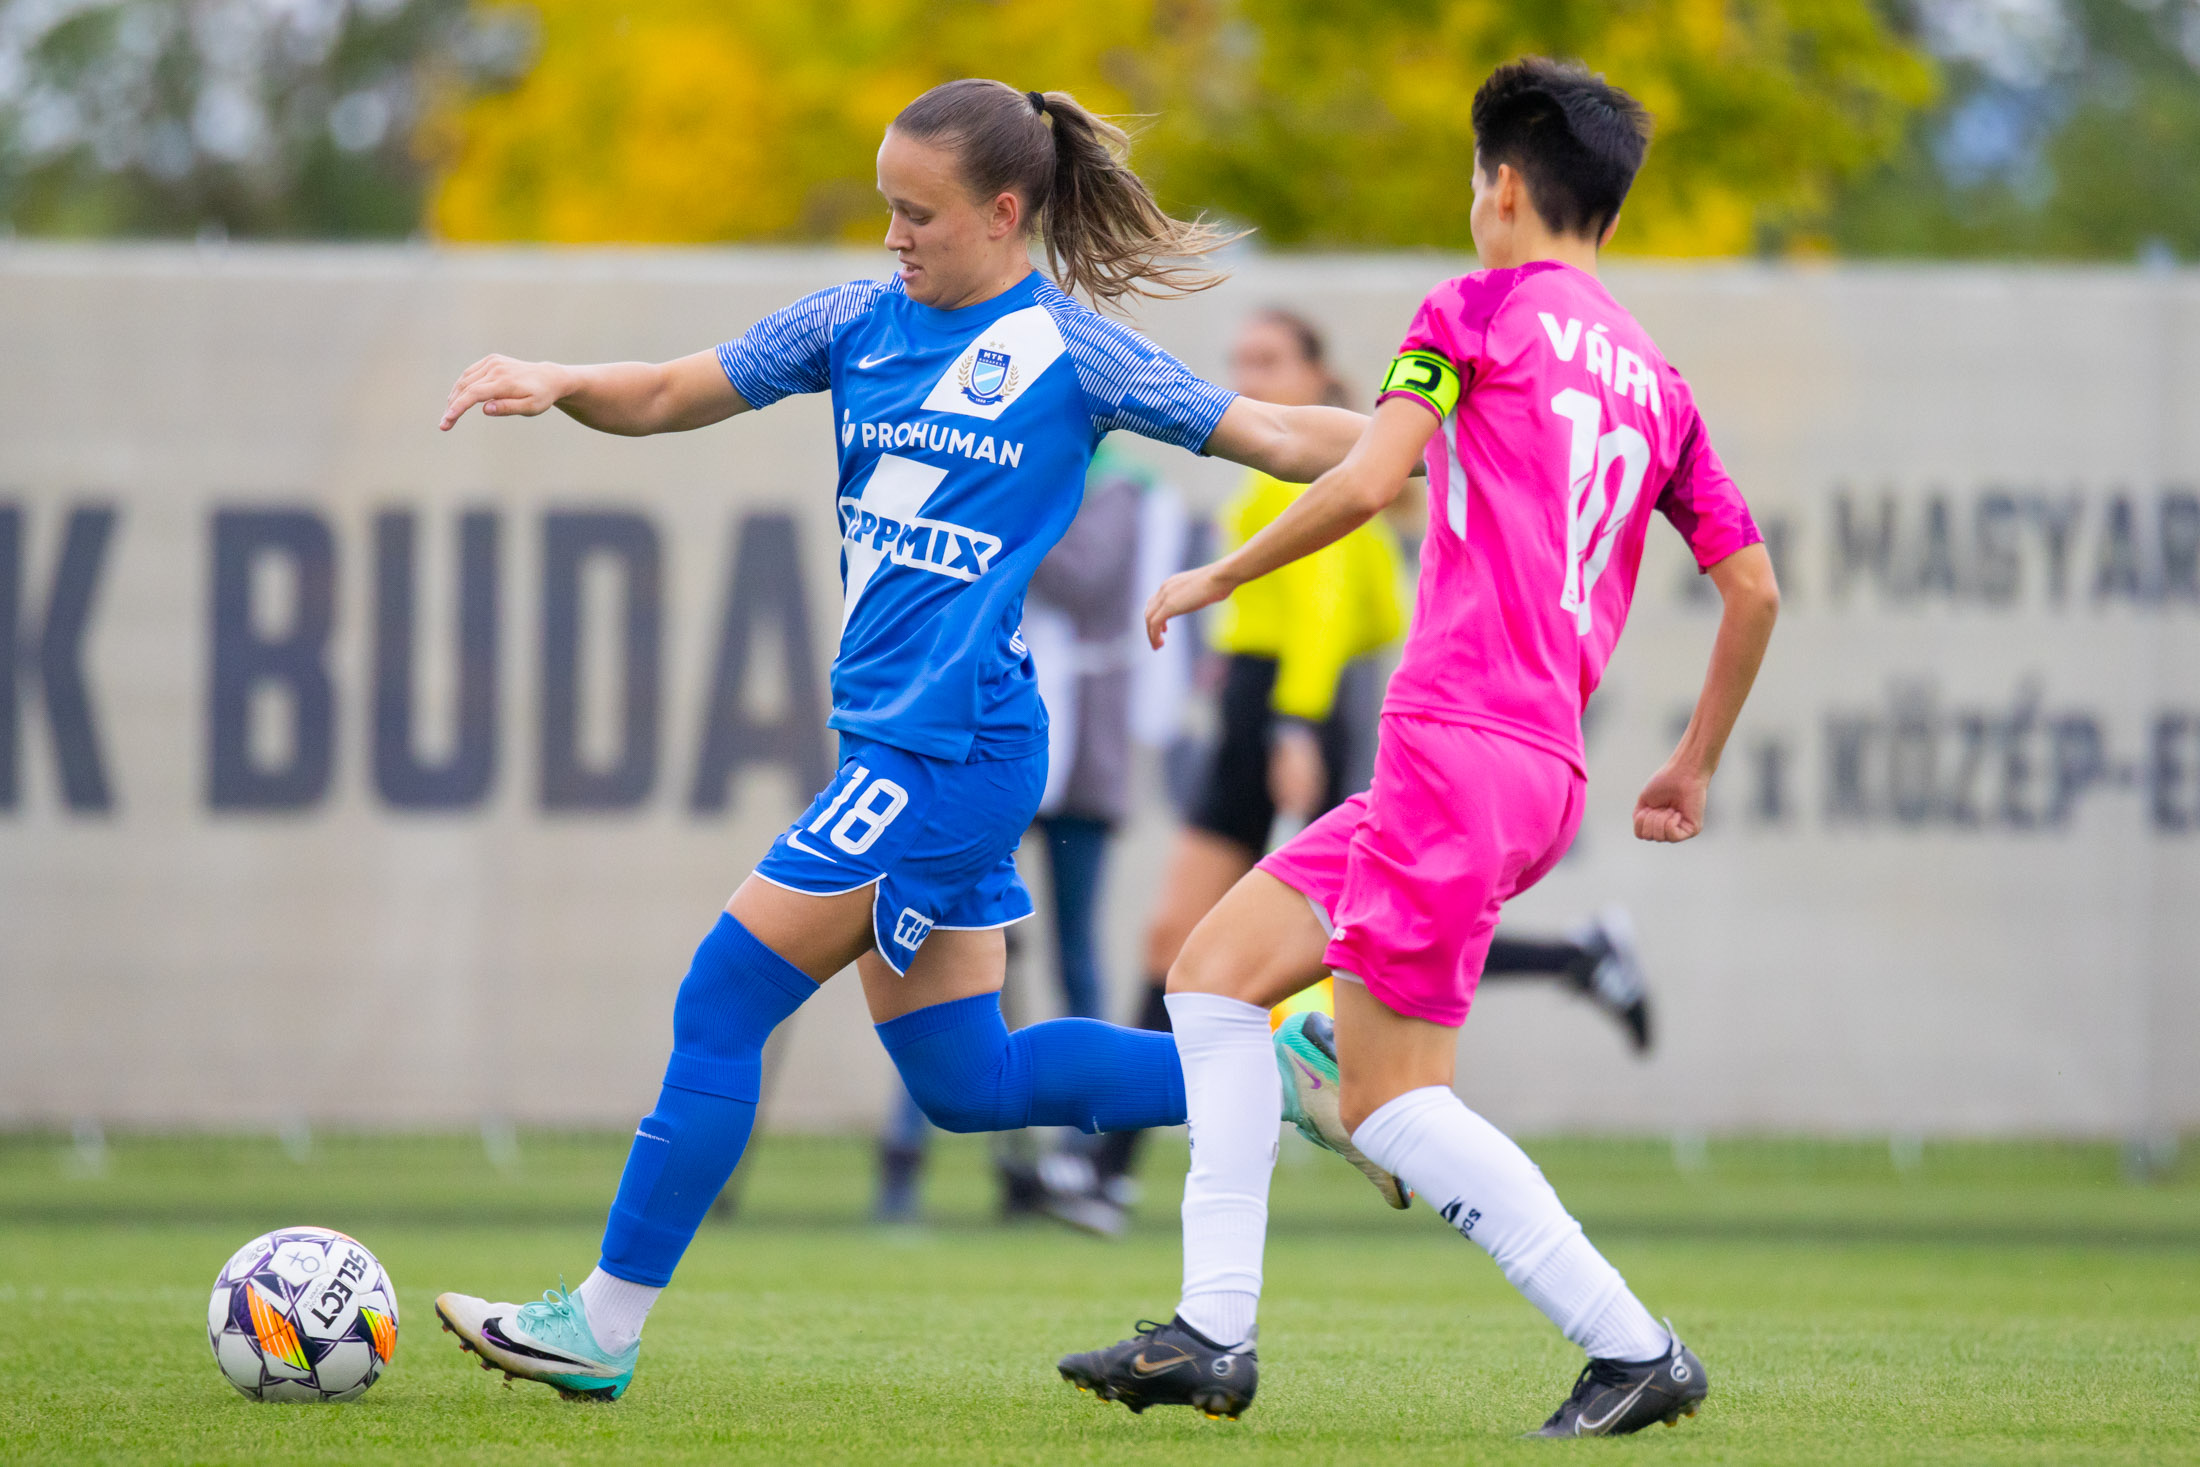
548	1340
1306	1055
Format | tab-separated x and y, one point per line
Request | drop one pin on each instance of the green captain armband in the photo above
1425	377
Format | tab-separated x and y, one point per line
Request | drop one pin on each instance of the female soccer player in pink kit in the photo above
1552	427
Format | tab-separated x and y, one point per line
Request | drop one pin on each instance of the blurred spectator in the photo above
1301	691
1081	623
1287	741
1080	618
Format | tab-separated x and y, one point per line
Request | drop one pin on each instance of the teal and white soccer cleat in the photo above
548	1340
1306	1055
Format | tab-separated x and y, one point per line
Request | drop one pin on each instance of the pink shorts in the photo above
1409	876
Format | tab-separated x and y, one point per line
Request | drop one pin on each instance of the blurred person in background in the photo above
1081	624
1300	693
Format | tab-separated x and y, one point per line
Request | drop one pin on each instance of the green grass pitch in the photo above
1985	1303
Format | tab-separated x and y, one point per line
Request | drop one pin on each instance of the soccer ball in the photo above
302	1314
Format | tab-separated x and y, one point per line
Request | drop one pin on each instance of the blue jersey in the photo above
964	439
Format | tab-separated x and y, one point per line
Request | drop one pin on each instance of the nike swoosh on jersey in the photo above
1586	1426
794	838
869	362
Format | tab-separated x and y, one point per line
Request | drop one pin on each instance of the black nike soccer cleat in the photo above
1168	1365
1614	1397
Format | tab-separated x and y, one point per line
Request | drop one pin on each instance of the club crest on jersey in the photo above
988	376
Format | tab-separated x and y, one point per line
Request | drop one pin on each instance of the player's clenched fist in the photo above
1670	807
507	388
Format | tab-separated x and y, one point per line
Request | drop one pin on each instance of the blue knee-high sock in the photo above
683	1152
736	992
970	1074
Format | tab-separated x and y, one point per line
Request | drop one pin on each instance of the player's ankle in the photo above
1224	1317
615	1310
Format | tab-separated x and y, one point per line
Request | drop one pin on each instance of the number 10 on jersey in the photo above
1591	532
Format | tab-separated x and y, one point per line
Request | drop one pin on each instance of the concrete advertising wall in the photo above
360	774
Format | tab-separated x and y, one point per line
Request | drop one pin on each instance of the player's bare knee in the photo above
1204	968
1217	959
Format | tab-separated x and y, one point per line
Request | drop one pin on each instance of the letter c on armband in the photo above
1426	378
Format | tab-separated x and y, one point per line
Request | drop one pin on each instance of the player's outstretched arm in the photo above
1338	502
633	399
1295	444
1670	807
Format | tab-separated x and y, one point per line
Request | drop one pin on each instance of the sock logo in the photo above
1459	1215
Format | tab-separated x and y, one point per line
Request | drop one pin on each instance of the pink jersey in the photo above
1569	426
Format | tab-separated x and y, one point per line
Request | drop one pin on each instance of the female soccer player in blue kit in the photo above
969	393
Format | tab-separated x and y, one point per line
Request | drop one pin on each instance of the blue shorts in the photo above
937	839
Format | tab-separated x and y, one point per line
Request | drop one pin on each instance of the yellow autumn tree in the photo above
693	120
1327	123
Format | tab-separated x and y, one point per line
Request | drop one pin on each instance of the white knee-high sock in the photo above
615	1308
1232	1098
1485	1186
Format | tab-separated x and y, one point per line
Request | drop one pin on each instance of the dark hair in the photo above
1104	233
1313	347
1577	139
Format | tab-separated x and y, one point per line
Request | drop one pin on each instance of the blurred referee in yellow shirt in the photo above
1288	743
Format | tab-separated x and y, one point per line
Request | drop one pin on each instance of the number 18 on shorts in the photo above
937	839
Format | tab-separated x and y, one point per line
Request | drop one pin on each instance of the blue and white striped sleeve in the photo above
791	350
1131	383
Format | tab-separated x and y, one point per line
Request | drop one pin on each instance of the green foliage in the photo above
1348	127
154	117
2098	155
691	121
